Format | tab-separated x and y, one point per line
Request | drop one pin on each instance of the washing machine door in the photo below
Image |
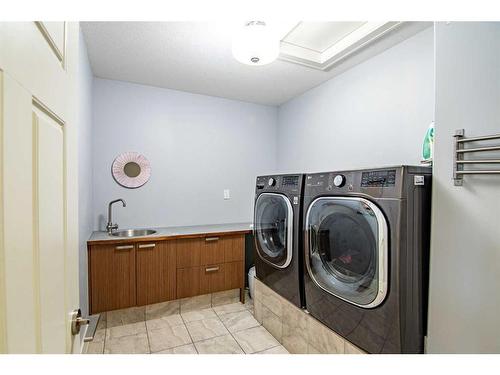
346	249
273	229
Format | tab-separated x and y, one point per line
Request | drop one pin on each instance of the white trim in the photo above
382	250
355	41
289	240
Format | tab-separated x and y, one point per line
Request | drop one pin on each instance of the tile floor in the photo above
195	326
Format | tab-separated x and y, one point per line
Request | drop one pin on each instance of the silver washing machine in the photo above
366	254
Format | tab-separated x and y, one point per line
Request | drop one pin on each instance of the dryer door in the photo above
273	229
346	255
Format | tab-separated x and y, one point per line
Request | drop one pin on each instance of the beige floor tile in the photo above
257	313
312	350
323	339
159	310
95	347
259	290
230	308
225	297
219	345
273	302
193	316
196	303
137	344
168	337
272	323
255	339
239	321
293	340
125	316
99	335
206	329
125	330
294	337
166	321
276	350
102	321
351	349
248	301
184	349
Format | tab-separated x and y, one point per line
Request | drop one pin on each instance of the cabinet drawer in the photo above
188	282
112	277
212	278
234	248
222	249
212	250
188	252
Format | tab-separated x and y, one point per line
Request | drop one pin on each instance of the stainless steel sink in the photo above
133	232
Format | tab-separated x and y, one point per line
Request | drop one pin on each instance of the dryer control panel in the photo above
289	183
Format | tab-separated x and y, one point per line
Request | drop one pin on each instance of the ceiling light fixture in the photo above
256	44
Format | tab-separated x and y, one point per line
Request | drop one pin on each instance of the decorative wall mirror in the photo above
131	170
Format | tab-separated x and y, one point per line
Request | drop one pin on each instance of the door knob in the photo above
77	321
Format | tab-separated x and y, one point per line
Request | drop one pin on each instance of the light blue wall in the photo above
372	115
197	145
85	180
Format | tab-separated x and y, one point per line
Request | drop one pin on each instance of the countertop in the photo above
165	233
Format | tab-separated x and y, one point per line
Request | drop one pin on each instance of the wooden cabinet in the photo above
235	275
188	252
156	272
188	267
143	273
212	278
188	282
112	277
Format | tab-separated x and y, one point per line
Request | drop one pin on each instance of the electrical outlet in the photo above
227	194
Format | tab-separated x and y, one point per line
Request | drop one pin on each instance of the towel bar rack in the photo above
460	151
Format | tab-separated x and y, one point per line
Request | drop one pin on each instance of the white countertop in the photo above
175	232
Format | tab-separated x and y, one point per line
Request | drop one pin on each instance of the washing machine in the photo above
278	234
366	255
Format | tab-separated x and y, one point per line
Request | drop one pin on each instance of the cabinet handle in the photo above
147	246
211	269
208	239
125	247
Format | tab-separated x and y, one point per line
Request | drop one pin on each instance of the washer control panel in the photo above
383	178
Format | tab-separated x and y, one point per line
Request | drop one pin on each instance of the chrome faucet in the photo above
110	226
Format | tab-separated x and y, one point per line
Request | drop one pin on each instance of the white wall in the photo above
465	252
197	145
374	114
84	78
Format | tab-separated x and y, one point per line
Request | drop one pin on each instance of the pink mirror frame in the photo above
121	178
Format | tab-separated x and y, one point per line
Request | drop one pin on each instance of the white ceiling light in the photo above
256	44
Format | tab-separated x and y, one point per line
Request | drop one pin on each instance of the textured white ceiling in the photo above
196	57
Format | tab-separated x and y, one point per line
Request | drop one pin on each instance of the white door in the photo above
38	187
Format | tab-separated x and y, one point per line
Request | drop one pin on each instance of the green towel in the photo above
428	147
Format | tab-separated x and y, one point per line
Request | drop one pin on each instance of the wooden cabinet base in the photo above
135	274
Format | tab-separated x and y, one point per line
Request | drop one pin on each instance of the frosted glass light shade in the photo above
256	44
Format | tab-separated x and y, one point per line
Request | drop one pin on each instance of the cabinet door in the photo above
234	275
234	248
212	250
156	269
188	282
188	252
212	278
112	277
